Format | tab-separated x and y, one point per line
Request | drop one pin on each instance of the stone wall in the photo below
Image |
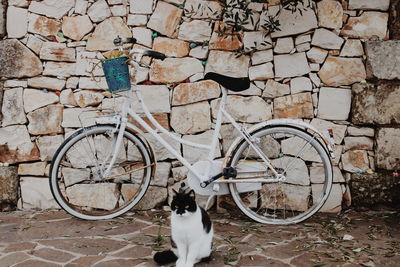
308	70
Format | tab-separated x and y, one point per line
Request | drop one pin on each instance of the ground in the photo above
54	238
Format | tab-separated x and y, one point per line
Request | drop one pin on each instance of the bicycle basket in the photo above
117	74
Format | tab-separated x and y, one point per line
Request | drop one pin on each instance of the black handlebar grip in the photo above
120	41
154	54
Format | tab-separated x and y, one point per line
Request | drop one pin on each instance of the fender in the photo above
327	142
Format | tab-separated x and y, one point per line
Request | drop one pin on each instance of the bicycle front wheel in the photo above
301	161
77	178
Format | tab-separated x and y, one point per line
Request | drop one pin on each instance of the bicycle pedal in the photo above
229	172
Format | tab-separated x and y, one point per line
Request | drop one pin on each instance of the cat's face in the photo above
183	204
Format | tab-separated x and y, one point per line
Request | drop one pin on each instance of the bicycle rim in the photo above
307	171
76	175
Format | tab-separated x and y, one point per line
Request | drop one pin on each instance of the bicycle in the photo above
278	171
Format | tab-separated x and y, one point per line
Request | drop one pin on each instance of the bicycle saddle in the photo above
231	83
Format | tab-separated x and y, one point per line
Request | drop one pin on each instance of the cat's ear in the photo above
192	194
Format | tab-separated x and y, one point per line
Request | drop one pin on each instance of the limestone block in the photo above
360	131
260	57
156	97
253	90
99	11
199	9
8	188
159	150
36	194
317	55
367	26
87	195
48	146
76	27
161	176
52	8
297	174
294	106
193	154
43	25
300	84
88	64
137	20
355	160
229	42
228	135
171	47
77	118
141	6
17	22
388	149
46	120
352	48
317	175
15	83
382	59
330	14
59	69
284	45
334	202
143	36
87	98
369	4
119	10
34	99
97	83
81	6
73	176
12	108
293	145
35	169
57	52
195	31
339	130
105	32
67	98
338	71
174	70
154	197
190	119
17	60
227	63
165	19
291	65
283	196
358	143
72	82
326	39
274	89
42	82
261	72
376	103
244	109
179	173
334	103
186	93
16	145
256	40
295	23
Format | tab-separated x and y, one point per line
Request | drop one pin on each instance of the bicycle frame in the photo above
122	122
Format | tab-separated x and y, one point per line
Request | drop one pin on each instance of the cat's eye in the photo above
187	206
176	206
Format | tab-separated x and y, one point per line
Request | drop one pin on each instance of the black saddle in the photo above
231	83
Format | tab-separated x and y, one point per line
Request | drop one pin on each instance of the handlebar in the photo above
121	41
154	54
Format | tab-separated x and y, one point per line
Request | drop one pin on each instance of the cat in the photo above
191	232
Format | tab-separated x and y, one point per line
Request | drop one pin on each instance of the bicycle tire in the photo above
301	194
76	181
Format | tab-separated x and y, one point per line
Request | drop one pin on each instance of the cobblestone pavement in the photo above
53	238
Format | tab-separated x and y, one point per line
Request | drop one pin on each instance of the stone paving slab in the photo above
54	238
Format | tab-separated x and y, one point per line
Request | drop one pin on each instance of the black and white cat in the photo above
191	232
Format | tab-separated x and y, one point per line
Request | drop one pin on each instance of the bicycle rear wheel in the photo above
76	173
304	164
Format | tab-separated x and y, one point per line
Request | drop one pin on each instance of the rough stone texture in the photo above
59	69
355	161
17	22
34	99
376	103
326	39
3	7
17	60
237	67
339	130
244	109
43	25
369	4
12	108
195	31
388	149
394	20
48	146
173	70
222	42
193	154
165	19
76	27
8	188
35	193
187	93
382	59
191	118
141	6
264	56
334	103
294	106
52	8
358	143
317	55
36	168
45	120
261	72
102	40
203	9
338	71
16	145
88	98
373	189
352	48
171	47
57	52
155	196
291	65
369	25
274	89
99	11
42	82
330	14
300	84
284	45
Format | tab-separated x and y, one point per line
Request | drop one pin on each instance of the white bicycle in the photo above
278	171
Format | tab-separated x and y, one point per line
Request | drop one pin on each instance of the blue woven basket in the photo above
117	74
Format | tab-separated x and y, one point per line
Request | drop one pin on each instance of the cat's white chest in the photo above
187	228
